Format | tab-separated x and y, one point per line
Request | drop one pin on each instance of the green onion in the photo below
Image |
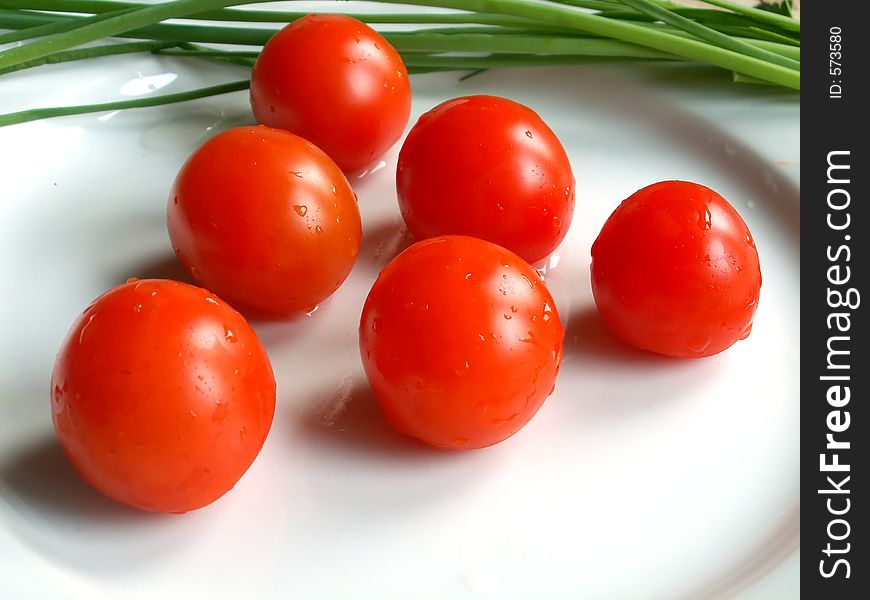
553	14
35	114
107	27
754	45
762	16
710	35
90	52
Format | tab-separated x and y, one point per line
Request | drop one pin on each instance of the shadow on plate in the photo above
164	266
45	481
610	380
587	339
349	418
382	242
69	523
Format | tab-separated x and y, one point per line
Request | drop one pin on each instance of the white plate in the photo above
641	477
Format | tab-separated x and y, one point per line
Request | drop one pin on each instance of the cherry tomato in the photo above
334	81
265	219
675	271
162	395
490	168
461	342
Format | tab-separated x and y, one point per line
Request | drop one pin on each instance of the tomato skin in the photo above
461	342
162	395
265	219
486	167
675	271
337	82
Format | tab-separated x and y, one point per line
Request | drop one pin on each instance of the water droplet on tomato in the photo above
318	229
334	191
507	316
229	335
220	412
500	422
705	219
300	209
85	328
210	300
297	174
513	309
529	134
700	343
744	333
56	405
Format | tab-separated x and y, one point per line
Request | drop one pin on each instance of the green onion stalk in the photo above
757	44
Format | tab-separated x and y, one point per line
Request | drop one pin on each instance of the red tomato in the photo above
461	342
162	395
334	81
675	271
265	219
490	168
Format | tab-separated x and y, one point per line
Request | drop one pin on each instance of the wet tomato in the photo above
265	219
675	271
461	342
162	395
337	82
486	167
